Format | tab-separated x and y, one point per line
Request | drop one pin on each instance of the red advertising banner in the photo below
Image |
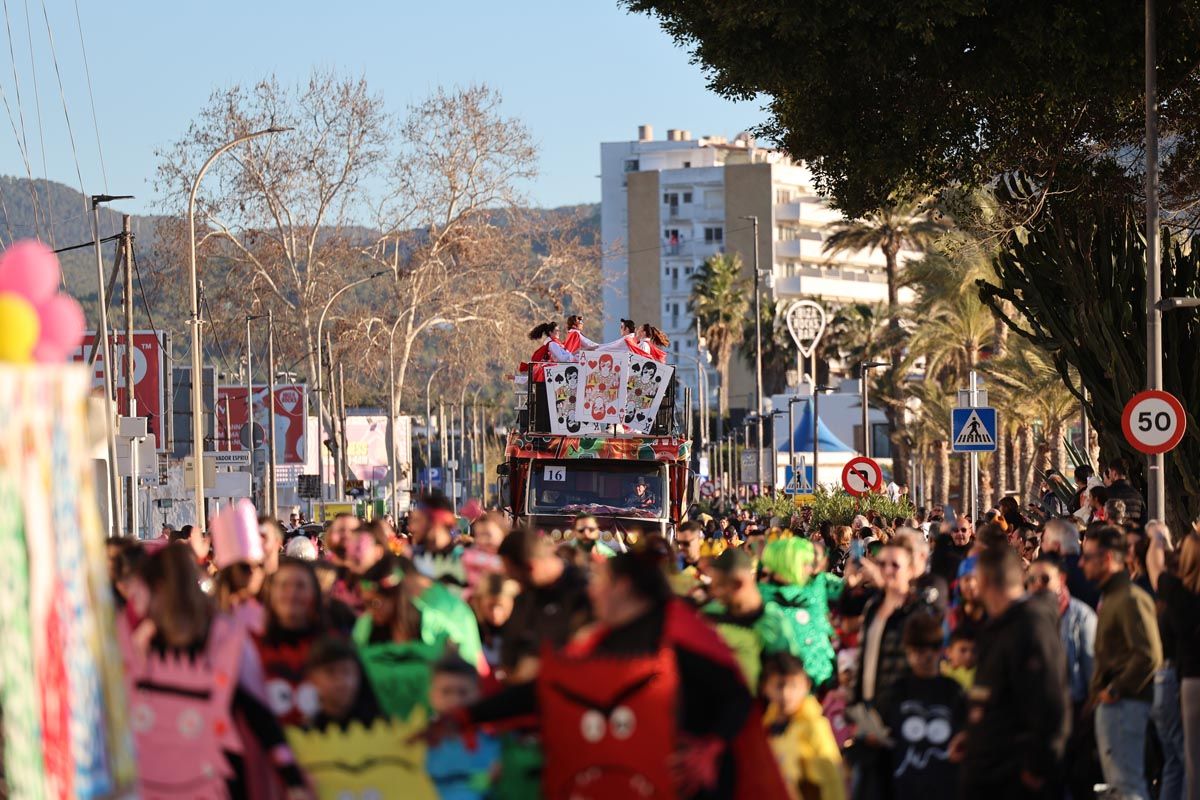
290	412
148	376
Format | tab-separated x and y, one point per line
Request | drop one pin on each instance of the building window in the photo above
687	196
783	195
686	165
671	198
632	165
714	235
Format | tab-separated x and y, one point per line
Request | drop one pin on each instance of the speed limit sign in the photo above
1153	422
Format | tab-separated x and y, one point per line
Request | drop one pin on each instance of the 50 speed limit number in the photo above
1153	422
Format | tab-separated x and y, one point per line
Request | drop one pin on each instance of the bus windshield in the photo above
619	489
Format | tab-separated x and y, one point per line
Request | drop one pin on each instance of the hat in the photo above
967	566
641	481
235	536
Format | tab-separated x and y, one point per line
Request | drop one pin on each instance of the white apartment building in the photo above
668	204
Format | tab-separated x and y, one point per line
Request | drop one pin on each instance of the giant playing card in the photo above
562	387
644	390
602	400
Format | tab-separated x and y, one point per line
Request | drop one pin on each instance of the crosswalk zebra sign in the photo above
973	430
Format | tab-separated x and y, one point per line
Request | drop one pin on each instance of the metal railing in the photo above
532	407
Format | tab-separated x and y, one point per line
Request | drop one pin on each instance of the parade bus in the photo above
629	481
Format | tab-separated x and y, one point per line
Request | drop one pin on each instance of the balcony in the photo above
844	283
787	212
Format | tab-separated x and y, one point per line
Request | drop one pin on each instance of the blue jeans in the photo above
1168	721
1121	739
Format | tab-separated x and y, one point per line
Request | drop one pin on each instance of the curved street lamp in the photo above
320	366
194	321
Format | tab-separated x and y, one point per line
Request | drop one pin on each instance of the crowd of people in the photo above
924	657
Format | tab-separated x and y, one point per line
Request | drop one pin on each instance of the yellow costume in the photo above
806	752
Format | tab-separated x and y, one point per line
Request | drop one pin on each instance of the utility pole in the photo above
130	400
110	413
1155	486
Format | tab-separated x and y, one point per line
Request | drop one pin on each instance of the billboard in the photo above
234	434
181	409
150	387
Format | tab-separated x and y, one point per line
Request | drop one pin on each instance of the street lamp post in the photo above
816	423
774	451
429	430
866	409
758	374
273	485
250	405
1155	485
194	321
320	361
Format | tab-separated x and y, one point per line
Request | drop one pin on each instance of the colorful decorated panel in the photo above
631	448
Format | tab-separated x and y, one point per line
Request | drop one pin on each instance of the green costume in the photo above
445	617
805	598
767	630
399	671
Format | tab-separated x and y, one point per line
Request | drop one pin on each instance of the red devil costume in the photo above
619	707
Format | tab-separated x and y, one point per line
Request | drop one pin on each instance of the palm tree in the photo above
906	225
778	349
720	301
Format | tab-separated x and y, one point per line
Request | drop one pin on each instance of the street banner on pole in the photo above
289	420
149	378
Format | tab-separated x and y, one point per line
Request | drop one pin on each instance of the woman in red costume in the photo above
628	343
648	703
551	350
654	340
575	340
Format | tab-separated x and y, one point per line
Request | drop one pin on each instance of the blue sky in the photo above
577	72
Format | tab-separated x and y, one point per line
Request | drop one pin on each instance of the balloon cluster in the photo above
37	323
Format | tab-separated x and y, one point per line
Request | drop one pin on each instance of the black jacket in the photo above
892	663
545	615
1019	706
1135	504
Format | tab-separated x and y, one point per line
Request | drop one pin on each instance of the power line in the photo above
137	274
37	104
91	96
22	139
220	347
63	96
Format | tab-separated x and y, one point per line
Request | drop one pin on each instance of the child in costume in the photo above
195	694
960	658
923	711
787	569
398	661
352	749
295	620
799	734
650	703
750	625
461	769
237	552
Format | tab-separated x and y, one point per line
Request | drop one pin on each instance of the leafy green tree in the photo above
720	300
901	99
778	349
889	229
1077	274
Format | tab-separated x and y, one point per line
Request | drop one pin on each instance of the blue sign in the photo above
973	430
788	474
431	478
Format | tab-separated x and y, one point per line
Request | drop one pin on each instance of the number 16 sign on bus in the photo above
1154	422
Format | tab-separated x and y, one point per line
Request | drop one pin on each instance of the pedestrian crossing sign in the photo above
973	430
799	479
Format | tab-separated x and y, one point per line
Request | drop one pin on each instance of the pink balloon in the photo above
62	329
30	269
